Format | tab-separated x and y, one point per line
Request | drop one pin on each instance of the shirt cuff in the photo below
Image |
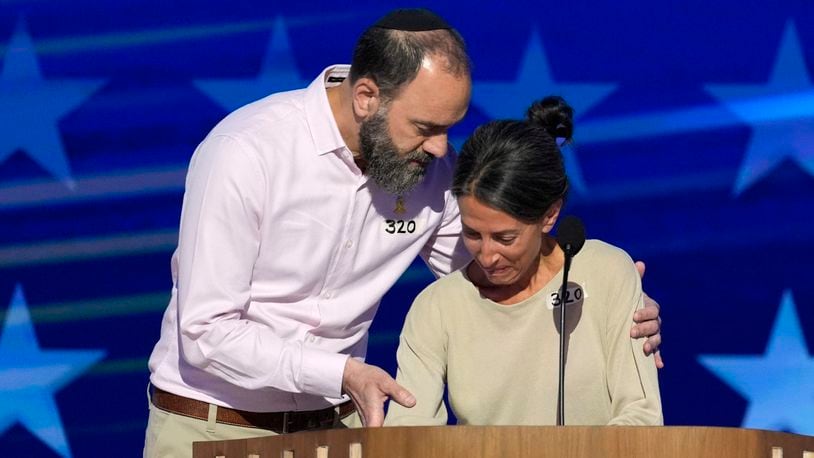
322	372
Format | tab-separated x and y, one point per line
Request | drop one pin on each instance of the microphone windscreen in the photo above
571	235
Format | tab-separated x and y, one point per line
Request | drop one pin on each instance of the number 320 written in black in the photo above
399	226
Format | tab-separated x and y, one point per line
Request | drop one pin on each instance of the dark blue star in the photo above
31	107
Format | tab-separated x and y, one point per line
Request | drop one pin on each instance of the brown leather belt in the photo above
279	422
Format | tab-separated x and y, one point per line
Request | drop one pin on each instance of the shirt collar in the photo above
324	131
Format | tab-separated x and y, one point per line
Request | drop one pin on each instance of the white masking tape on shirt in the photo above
574	294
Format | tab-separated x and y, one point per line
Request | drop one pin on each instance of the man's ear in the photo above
366	98
551	216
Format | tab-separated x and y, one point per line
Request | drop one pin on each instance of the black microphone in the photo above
570	237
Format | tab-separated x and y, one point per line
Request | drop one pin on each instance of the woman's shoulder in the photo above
452	284
444	291
598	250
437	305
604	259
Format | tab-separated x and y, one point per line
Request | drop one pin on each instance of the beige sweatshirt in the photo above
500	362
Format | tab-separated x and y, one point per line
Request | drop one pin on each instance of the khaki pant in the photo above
171	436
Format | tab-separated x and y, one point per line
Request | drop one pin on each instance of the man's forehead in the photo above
435	97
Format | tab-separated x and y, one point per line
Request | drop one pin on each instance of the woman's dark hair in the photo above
393	58
516	166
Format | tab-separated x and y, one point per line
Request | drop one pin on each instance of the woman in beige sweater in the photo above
489	332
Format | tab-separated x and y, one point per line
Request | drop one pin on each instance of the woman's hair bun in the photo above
554	115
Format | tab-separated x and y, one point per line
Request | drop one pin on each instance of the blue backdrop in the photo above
694	151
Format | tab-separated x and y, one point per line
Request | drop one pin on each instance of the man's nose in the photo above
436	145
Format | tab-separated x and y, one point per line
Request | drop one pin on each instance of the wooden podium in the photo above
517	441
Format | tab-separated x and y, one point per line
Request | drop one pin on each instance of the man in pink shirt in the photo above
301	210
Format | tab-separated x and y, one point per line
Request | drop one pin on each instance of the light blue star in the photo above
31	107
502	100
29	377
278	73
775	136
777	384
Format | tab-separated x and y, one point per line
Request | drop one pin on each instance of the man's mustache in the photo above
419	156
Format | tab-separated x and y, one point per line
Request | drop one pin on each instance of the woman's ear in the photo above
551	216
366	98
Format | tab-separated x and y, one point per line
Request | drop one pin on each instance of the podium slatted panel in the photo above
519	441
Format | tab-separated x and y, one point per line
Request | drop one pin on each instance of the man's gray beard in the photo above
394	173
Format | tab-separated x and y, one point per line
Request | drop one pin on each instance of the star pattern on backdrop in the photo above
776	384
278	73
30	377
510	99
777	133
32	106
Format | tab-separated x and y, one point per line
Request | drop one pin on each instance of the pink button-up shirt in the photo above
285	250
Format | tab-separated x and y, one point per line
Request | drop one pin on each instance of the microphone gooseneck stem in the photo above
561	392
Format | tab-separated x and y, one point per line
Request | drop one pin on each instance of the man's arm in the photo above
648	323
445	251
219	244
